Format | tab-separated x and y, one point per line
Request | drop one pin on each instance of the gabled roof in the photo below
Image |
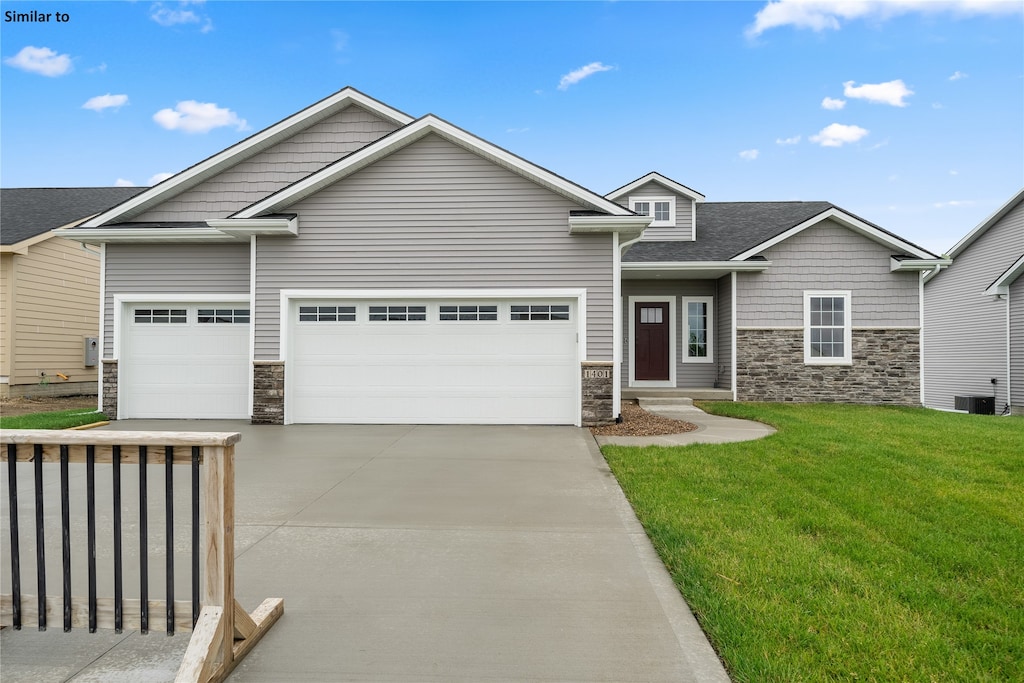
26	212
655	177
736	231
416	130
247	148
983	227
1007	278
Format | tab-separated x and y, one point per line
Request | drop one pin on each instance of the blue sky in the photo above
908	113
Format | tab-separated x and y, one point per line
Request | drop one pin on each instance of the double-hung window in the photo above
827	331
698	329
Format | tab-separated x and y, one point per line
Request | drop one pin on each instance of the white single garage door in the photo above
185	361
440	361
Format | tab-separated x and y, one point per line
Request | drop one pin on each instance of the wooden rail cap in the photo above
64	437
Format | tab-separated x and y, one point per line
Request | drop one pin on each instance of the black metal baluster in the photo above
65	526
90	495
195	535
12	486
37	459
143	544
118	570
169	517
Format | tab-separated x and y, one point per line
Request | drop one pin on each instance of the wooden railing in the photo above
222	631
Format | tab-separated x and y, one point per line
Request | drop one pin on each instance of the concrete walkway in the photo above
710	428
420	553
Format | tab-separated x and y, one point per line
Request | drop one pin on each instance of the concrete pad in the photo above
424	553
710	428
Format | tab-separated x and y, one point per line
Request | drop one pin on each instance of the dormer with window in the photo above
671	204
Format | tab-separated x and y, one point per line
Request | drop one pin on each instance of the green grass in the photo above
858	543
60	419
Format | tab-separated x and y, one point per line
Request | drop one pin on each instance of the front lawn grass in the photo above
859	543
60	419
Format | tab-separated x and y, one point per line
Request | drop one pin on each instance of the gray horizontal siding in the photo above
1017	345
965	329
687	374
434	215
683	229
828	257
171	269
274	168
723	339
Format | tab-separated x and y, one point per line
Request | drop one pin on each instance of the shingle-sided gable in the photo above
310	128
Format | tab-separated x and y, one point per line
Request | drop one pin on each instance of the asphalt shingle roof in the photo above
29	211
726	229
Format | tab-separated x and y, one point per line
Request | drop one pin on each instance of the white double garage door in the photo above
399	360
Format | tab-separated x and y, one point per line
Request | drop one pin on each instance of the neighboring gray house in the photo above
974	316
353	264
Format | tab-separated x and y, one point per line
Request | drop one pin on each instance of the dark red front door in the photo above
650	343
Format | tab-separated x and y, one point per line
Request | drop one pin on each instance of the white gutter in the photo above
106	235
919	264
732	266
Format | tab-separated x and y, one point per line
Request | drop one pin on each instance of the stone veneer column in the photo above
110	387
268	392
886	368
596	393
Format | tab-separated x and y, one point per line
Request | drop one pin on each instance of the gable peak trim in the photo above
421	127
984	226
655	177
246	148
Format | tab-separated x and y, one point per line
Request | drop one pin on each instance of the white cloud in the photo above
838	134
198	117
938	105
749	154
40	60
166	16
952	172
954	204
788	141
819	15
158	178
957	75
339	40
121	182
583	72
890	92
833	104
108	101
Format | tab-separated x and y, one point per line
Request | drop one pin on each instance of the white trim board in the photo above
411	133
846	220
246	148
655	177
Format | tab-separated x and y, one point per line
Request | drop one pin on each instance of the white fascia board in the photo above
731	266
1002	284
982	227
409	134
109	235
246	148
627	226
846	220
245	227
918	264
656	177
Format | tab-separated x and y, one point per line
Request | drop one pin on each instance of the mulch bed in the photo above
10	407
638	422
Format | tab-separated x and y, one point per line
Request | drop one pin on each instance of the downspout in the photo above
103	323
619	248
1009	389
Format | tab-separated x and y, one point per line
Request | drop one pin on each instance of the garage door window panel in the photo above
398	313
327	314
222	316
533	312
161	315
469	312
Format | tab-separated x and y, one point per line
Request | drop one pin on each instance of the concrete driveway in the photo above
425	553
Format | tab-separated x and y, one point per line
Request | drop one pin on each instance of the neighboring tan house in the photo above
974	317
354	264
49	290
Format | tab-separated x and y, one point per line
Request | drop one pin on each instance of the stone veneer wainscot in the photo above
109	397
596	393
268	392
886	368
